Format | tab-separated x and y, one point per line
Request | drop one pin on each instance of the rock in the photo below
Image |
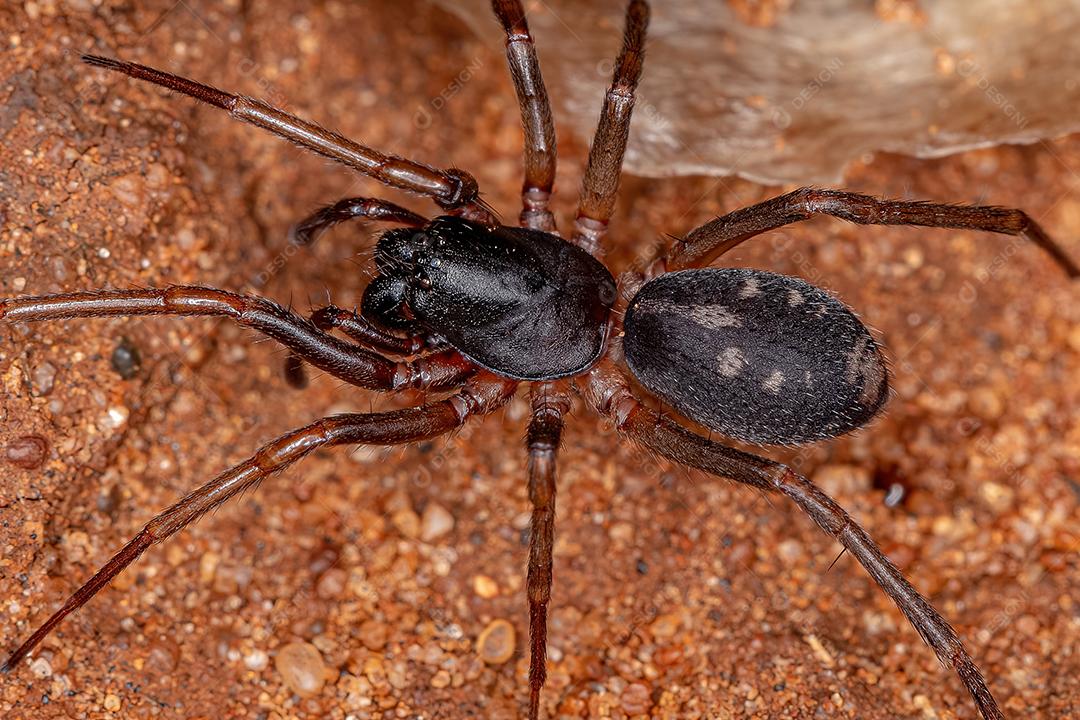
28	452
256	660
986	403
436	522
635	699
302	668
407	522
495	645
44	378
485	587
373	635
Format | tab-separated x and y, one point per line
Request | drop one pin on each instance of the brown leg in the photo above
332	355
715	238
359	329
610	394
601	182
540	153
362	331
310	228
545	430
308	231
390	428
453	190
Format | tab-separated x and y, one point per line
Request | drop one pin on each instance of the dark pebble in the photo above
28	451
126	359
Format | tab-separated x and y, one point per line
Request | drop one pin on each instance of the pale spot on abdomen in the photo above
730	361
750	289
773	382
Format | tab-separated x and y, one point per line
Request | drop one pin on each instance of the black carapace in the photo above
522	303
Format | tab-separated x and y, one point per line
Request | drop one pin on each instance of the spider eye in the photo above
396	248
422	279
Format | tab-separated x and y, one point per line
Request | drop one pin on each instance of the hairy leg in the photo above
609	392
343	360
310	228
389	428
713	239
453	190
549	405
539	129
600	185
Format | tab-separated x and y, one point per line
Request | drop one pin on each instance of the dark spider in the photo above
480	307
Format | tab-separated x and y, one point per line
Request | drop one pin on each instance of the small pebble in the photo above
126	359
28	452
666	625
302	668
635	699
332	583
496	643
999	497
790	550
41	668
1028	625
373	634
114	418
208	565
112	702
256	660
162	658
441	679
44	378
485	587
436	522
407	522
986	403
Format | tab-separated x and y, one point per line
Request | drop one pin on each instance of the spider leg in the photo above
365	333
388	428
609	392
539	129
306	232
453	190
545	431
600	185
713	239
330	354
310	228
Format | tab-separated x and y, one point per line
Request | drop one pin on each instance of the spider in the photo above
468	309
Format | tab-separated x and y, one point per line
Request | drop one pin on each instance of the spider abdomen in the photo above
755	356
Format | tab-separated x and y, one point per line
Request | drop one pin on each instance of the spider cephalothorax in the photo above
464	306
522	303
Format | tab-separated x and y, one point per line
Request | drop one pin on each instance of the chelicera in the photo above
469	309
